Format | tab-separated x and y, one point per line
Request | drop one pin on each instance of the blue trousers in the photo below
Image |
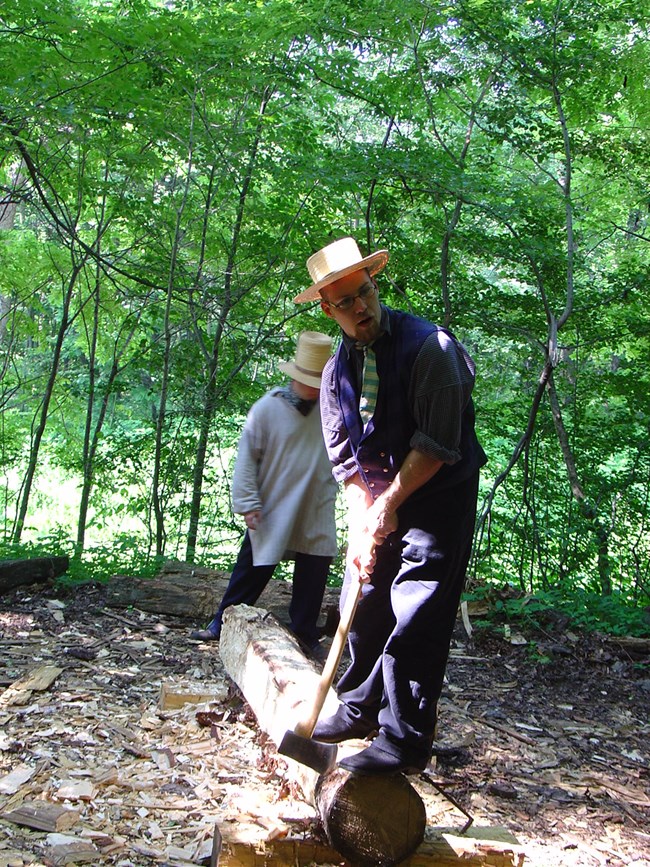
400	637
309	579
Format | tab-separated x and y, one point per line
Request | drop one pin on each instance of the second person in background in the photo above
283	487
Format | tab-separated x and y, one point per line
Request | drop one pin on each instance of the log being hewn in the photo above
266	662
35	570
370	821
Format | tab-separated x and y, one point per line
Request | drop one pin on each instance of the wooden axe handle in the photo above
306	726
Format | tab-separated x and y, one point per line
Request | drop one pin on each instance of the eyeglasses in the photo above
347	303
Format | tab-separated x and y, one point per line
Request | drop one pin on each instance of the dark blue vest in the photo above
381	449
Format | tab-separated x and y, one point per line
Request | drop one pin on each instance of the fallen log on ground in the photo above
178	595
34	570
195	592
368	820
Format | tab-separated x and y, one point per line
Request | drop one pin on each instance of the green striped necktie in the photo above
369	385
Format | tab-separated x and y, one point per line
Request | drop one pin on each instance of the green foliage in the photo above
172	166
122	557
563	608
54	545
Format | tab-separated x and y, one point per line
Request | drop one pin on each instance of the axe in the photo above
298	744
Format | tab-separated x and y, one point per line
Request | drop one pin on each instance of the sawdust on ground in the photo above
543	733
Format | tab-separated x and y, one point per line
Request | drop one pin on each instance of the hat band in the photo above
307	372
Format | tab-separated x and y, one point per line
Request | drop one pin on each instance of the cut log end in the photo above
377	821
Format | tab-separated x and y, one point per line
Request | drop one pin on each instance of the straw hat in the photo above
337	260
312	352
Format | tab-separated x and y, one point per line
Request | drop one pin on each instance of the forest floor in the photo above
544	733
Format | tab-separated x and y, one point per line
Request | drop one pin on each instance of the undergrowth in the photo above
575	609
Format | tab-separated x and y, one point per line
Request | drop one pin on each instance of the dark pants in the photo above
309	579
399	641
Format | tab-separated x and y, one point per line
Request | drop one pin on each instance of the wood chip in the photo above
75	790
20	692
13	781
43	816
70	850
172	697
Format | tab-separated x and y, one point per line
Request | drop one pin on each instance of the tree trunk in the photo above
211	389
588	509
158	485
38	433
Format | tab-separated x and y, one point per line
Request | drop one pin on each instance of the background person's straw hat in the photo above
337	260
312	353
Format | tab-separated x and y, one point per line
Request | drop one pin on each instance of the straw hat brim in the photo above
295	372
373	263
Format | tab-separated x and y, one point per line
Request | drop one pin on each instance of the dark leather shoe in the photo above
318	653
342	727
314	649
375	760
203	635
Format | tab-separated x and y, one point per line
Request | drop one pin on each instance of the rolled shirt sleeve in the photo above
441	386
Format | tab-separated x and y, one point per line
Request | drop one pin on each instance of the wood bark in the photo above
369	820
179	596
195	592
42	816
16	573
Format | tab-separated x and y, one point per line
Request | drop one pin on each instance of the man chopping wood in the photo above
398	422
283	486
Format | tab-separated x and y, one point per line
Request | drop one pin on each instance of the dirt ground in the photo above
544	733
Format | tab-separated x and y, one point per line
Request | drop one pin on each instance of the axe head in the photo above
314	754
